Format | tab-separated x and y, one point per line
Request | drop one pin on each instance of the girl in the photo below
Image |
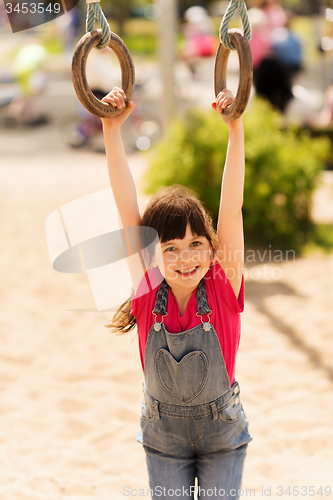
192	421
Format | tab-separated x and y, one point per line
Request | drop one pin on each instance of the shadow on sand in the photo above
257	292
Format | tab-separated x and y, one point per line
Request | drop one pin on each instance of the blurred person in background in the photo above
260	43
272	81
287	46
271	78
277	57
200	39
275	14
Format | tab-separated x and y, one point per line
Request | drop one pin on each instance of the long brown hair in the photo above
169	212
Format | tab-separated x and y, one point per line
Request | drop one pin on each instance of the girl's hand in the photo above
224	99
117	99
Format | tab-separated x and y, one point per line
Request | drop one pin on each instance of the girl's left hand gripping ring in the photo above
79	77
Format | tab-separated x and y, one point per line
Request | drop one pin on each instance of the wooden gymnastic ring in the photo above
81	86
242	45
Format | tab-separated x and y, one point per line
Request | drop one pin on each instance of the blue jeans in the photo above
219	474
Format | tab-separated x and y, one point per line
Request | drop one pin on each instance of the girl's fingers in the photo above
217	106
119	102
226	103
225	92
110	100
223	99
223	103
225	95
120	91
116	98
114	101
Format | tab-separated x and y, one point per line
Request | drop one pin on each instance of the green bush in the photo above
141	44
282	169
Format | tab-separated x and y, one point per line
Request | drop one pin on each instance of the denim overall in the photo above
189	408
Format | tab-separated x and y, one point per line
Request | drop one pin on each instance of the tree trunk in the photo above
123	11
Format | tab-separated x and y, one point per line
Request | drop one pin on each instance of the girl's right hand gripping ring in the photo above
237	108
79	77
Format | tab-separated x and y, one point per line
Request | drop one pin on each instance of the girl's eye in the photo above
170	249
196	243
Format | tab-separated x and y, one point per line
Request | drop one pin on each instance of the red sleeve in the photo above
223	284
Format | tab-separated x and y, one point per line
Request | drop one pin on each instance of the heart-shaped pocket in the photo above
185	379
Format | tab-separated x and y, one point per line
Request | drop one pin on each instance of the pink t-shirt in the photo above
222	301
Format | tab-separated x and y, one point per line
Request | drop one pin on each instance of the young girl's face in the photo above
186	261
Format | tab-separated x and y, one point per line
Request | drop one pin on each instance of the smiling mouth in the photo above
187	272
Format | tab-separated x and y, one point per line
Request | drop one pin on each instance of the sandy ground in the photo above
71	391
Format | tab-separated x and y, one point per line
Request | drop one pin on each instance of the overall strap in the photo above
162	299
202	303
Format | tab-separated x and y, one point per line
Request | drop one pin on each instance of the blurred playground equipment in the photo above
142	129
27	81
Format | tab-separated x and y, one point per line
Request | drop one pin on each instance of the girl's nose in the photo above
185	255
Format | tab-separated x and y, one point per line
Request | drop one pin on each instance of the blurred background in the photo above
70	390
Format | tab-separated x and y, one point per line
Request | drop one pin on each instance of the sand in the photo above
71	390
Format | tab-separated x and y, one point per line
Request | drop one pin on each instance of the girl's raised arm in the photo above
121	178
230	222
